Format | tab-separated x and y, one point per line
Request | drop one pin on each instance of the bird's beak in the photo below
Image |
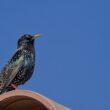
36	36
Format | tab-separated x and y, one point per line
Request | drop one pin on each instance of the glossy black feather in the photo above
20	67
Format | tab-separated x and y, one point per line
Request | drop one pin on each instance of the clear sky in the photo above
73	55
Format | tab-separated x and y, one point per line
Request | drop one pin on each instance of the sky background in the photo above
72	56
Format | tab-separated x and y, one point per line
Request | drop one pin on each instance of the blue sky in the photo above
72	56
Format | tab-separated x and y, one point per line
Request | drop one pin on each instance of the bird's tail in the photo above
1	83
3	88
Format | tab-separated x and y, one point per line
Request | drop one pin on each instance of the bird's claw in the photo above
13	85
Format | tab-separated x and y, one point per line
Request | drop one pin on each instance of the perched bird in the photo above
20	67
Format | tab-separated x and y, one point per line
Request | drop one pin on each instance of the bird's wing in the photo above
11	69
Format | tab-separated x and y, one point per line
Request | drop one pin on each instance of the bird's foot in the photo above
13	86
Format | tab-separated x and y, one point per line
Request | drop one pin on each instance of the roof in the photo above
27	100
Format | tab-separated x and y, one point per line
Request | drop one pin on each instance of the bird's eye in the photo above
28	38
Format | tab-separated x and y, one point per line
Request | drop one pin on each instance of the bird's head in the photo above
27	39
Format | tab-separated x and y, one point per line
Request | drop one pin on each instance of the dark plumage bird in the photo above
21	66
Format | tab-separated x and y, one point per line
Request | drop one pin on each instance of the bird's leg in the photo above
13	85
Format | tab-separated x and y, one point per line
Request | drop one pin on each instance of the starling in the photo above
20	67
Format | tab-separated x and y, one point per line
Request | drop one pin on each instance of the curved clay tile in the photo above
27	100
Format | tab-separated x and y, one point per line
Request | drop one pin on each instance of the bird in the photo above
20	67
